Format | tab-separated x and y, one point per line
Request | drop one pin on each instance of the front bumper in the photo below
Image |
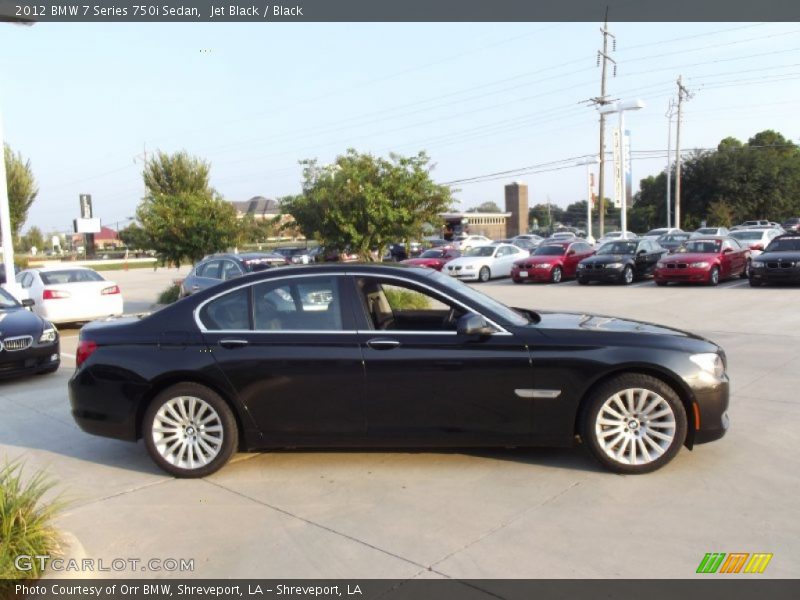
463	275
531	274
712	404
776	274
685	275
36	359
600	274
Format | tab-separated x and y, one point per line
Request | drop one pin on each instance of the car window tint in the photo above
69	276
211	270
306	304
402	306
228	312
230	270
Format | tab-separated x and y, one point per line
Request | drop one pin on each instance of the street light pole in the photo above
5	225
589	162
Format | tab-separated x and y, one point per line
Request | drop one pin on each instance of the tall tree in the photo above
486	207
33	239
22	188
182	215
366	202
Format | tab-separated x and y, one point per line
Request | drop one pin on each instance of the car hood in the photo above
604	259
19	321
779	256
690	257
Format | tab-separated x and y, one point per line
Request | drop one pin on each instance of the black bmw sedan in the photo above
28	343
779	263
621	261
390	356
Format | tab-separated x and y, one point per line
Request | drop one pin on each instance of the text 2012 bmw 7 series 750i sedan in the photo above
387	356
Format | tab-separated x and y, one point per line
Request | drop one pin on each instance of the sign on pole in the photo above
617	171
626	165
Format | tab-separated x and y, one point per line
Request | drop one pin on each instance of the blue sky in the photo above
81	100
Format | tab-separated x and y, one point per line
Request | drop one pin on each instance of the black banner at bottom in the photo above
416	589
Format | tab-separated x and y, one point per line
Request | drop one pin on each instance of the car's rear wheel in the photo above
556	275
660	283
627	275
189	430
484	274
634	423
713	277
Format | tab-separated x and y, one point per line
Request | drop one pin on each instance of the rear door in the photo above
289	348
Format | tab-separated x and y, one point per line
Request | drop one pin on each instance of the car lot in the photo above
487	513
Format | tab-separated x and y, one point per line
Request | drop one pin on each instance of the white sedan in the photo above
481	263
70	294
465	242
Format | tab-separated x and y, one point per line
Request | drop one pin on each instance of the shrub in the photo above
405	299
26	522
169	295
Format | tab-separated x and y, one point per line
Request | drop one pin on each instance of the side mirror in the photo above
727	250
27	302
472	324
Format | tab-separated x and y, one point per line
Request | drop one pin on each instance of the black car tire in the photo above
713	276
746	273
627	276
556	275
223	417
484	274
656	391
583	281
660	283
755	283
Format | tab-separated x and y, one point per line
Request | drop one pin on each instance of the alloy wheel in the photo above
187	432
556	276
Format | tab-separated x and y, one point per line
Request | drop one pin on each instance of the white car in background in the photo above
706	231
70	294
468	241
756	239
654	234
613	236
482	263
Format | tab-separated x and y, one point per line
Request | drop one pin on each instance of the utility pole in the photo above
683	94
603	57
670	113
143	158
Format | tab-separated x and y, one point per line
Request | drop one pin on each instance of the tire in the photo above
627	276
556	275
621	451
583	281
713	277
660	283
484	274
210	445
754	283
746	273
517	280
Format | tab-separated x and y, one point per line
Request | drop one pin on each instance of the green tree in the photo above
22	188
486	207
33	239
182	215
366	202
135	238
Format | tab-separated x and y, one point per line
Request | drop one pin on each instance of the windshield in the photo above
656	232
481	299
481	251
618	248
549	251
432	254
675	237
701	247
7	300
747	235
785	245
707	230
69	276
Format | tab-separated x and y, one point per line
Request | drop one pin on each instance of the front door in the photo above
424	381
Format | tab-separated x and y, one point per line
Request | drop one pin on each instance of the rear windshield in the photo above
785	245
433	254
747	235
69	276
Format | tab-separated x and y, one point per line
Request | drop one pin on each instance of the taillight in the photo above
110	290
54	294
85	349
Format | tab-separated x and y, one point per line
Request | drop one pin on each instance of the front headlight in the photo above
698	265
661	265
543	266
49	334
757	263
709	362
581	266
614	266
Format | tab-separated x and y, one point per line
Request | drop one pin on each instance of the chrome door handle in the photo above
229	343
382	344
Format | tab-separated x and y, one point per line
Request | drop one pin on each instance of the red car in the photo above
704	260
551	262
435	258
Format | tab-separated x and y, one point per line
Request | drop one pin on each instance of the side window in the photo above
211	270
302	304
231	311
402	306
27	280
230	270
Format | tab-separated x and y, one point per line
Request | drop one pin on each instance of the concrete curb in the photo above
72	553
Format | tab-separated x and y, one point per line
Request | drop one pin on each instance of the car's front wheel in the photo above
556	275
746	273
627	275
484	274
634	423
713	277
189	430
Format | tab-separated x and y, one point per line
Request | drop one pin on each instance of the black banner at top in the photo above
30	11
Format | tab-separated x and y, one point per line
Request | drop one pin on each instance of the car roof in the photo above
61	268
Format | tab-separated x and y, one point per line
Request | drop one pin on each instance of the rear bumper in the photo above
103	406
65	311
